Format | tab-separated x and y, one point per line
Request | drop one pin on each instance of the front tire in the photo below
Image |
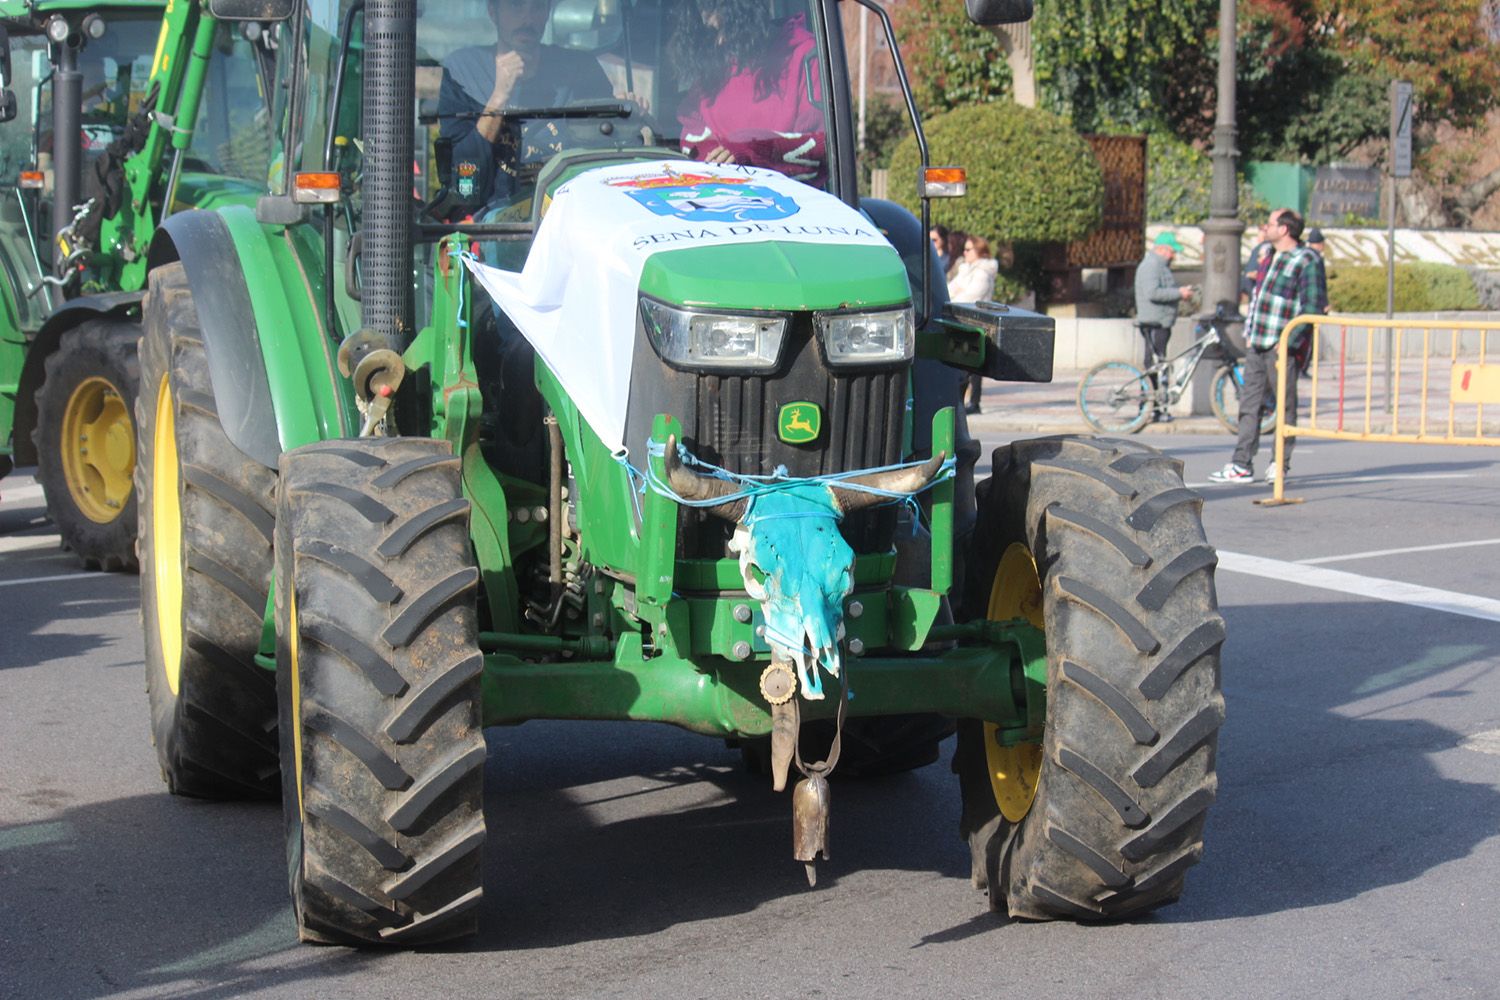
205	566
378	668
1116	397
1109	814
85	441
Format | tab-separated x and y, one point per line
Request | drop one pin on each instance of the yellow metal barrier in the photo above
1444	406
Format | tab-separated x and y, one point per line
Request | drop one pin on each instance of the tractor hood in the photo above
720	237
780	276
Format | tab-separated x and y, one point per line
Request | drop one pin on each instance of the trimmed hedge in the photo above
1420	287
1032	179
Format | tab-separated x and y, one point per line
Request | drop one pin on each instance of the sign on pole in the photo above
1401	128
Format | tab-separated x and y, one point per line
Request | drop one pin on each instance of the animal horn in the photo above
895	481
691	485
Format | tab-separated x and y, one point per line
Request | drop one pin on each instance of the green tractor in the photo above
543	383
164	114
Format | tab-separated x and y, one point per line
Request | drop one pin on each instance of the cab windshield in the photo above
502	86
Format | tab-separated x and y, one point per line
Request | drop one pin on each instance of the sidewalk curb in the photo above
1028	423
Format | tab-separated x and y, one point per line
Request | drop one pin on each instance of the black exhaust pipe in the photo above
67	142
390	97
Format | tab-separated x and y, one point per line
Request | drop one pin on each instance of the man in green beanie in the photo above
1157	296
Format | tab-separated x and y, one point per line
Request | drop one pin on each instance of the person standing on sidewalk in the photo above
974	281
1157	296
939	237
1300	347
1293	285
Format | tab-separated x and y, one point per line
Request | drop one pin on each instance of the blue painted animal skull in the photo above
795	562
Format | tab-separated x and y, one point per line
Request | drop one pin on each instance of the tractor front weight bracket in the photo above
991	675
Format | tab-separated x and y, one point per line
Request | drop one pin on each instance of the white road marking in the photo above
1485	742
29	543
49	579
1397	552
1394	591
15	493
1334	479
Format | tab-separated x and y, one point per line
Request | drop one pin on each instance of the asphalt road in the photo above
1353	850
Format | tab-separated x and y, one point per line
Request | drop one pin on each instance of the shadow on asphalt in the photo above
1327	784
45	624
153	895
188	898
555	876
1328	790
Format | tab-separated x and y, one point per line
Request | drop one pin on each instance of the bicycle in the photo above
1117	397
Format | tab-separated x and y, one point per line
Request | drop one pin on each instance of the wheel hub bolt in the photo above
856	608
740	651
742	613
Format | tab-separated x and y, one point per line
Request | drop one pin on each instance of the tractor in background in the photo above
163	108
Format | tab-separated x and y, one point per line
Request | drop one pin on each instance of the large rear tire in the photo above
378	668
206	533
85	441
1102	820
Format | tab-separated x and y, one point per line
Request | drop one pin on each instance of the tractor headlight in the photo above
725	341
867	338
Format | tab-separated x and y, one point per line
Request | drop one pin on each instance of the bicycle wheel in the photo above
1115	397
1226	400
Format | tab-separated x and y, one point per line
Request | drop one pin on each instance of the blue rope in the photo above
460	254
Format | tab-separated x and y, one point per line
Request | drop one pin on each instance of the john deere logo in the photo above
799	423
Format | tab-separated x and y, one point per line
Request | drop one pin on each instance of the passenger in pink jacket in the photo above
753	90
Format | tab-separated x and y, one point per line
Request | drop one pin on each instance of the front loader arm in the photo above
178	70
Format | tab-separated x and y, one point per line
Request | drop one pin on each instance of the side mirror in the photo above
990	13
7	105
4	58
251	10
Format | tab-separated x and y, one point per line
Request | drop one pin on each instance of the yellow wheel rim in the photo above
98	449
166	536
1014	770
295	666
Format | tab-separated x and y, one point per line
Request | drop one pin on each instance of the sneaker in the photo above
1162	417
1271	474
1231	473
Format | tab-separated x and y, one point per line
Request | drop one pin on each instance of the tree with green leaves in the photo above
1032	180
952	61
1114	62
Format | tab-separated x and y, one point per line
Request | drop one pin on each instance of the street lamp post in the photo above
1221	233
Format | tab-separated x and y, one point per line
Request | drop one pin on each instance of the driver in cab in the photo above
518	71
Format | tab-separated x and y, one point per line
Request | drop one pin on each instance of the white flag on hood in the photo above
575	300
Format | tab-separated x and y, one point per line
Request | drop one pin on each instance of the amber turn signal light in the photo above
945	182
316	188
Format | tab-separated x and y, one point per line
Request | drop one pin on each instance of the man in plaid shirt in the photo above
1293	285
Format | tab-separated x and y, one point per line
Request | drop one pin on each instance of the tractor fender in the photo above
269	364
117	305
904	230
934	384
